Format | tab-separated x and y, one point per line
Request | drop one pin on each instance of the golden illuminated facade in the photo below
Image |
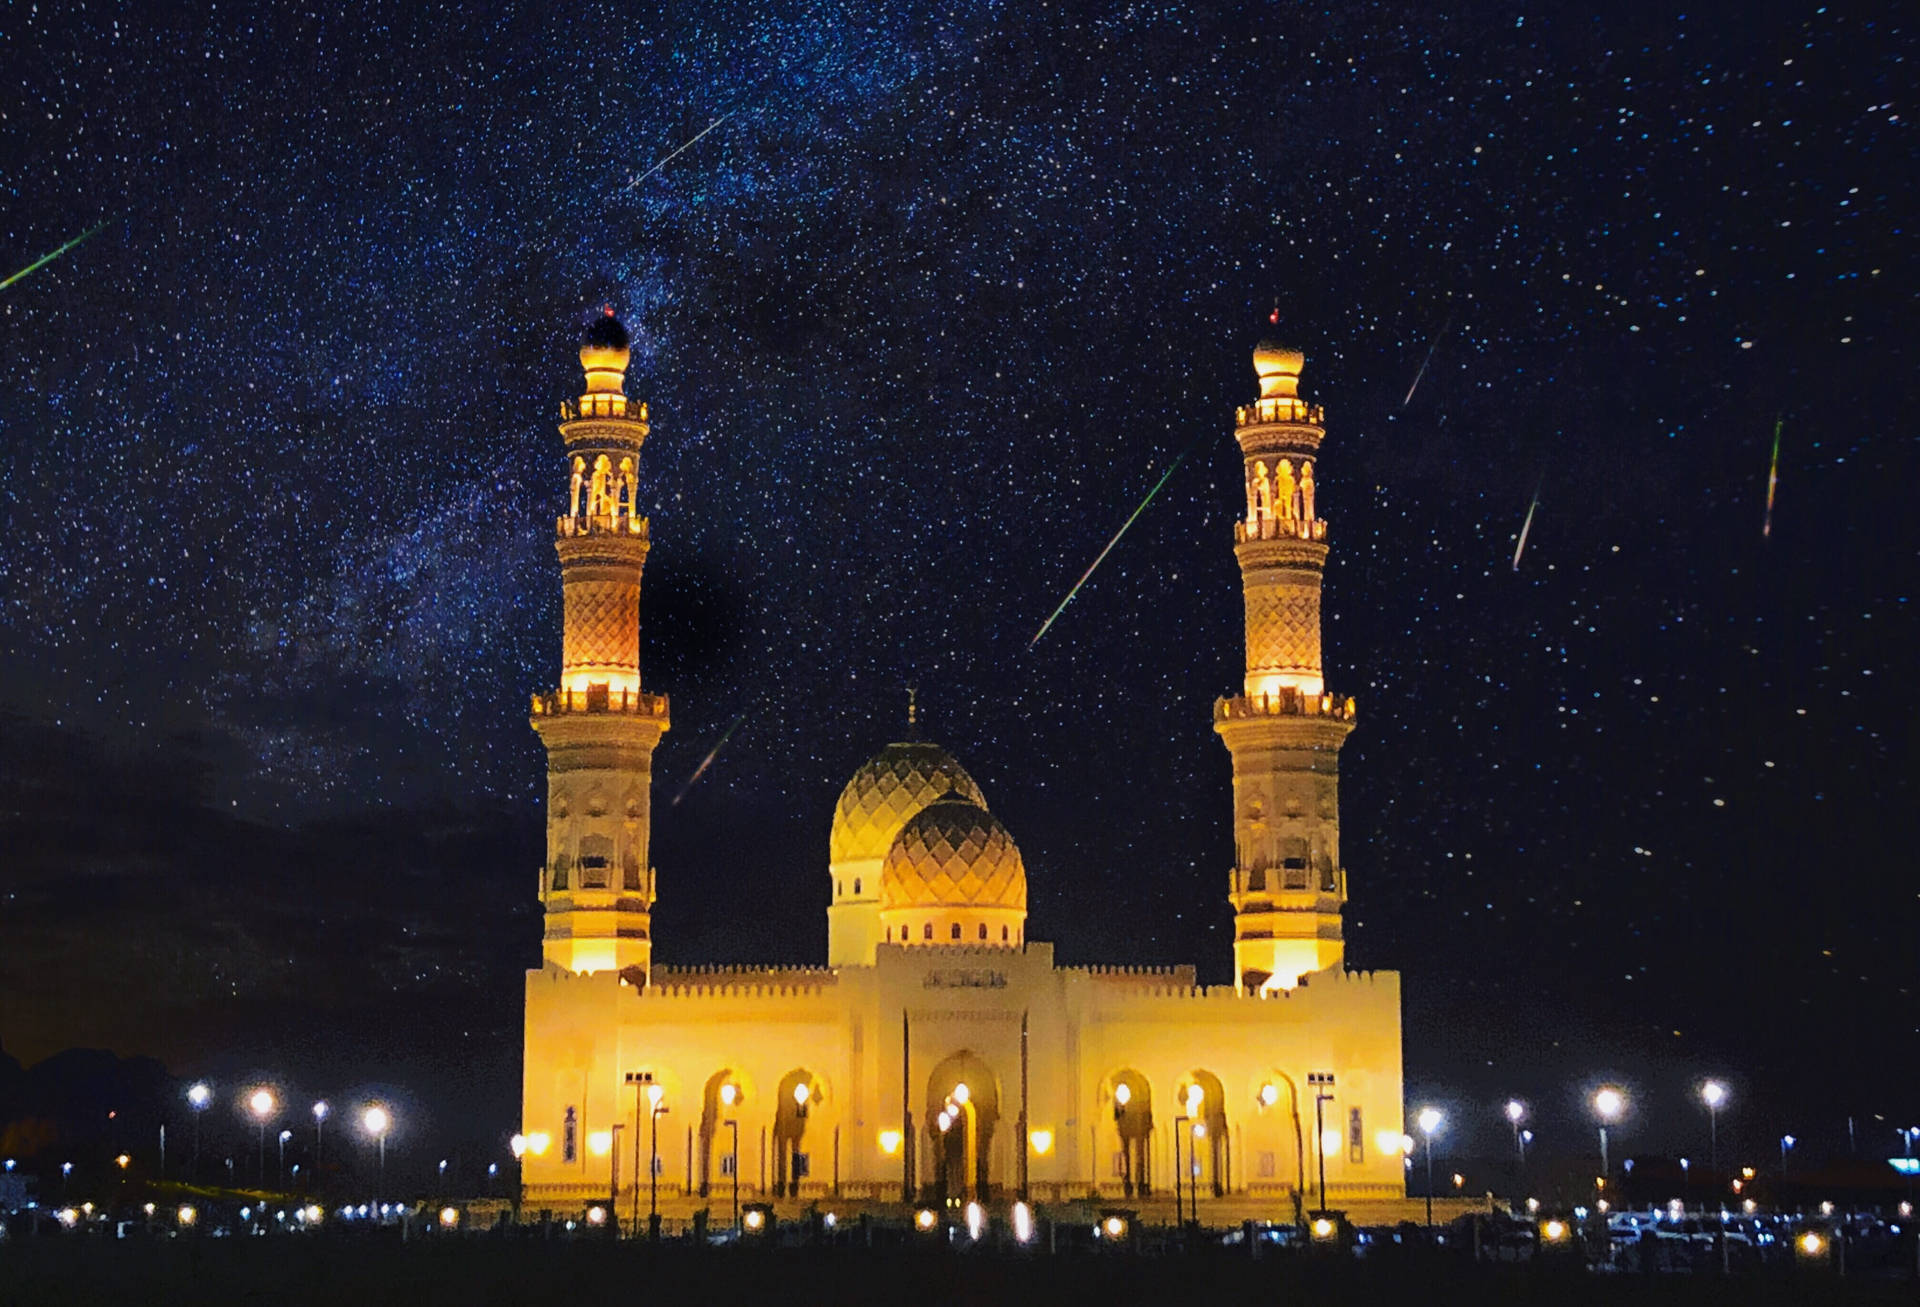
1285	729
599	726
940	1052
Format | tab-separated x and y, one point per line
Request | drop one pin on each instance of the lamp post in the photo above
1608	1104
1714	1095
320	1110
1122	1095
654	1096
613	1176
802	1094
376	1121
197	1098
284	1136
733	1128
262	1104
1179	1128
1786	1146
1430	1120
1322	1082
1516	1113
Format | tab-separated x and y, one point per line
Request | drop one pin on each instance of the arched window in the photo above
839	888
983	930
955	932
1003	934
856	884
926	931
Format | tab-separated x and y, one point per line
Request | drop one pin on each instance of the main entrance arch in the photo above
963	1111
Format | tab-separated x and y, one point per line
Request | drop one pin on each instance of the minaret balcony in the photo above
1281	408
1286	702
603	524
1280	528
603	404
600	699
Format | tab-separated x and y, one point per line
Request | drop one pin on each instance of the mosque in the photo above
940	1053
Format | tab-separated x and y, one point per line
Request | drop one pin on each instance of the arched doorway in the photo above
963	1110
1208	1147
721	1100
798	1095
1130	1099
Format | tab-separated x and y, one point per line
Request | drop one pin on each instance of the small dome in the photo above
884	795
605	346
953	854
1271	358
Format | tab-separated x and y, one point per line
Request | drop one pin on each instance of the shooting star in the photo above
1525	527
45	259
1171	469
1773	480
707	761
676	154
1428	359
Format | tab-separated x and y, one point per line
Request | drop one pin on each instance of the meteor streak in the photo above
45	259
1525	527
1428	359
676	154
707	761
1773	480
1171	469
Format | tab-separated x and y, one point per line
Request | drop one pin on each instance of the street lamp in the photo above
284	1136
1122	1095
1714	1095
1430	1120
320	1110
376	1121
654	1094
1322	1082
198	1097
262	1104
1608	1104
1516	1113
1786	1146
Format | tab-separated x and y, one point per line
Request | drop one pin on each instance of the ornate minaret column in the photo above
1285	731
599	726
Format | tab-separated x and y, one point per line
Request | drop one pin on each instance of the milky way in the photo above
919	323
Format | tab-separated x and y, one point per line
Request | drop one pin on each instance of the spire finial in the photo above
1274	317
913	711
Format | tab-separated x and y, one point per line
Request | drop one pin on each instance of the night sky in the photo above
920	322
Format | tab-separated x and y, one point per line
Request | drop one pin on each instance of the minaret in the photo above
599	726
1285	730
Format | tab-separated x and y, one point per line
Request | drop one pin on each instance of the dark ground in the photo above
475	1271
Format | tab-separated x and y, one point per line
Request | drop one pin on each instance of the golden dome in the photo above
1278	367
884	795
953	854
604	350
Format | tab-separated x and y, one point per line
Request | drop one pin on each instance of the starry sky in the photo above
939	296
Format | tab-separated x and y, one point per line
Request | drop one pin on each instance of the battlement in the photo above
1265	412
1181	975
738	982
603	524
632	703
1287	703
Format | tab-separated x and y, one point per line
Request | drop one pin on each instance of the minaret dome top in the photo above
604	351
1278	367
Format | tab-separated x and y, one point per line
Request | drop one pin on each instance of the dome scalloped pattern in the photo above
953	854
888	791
